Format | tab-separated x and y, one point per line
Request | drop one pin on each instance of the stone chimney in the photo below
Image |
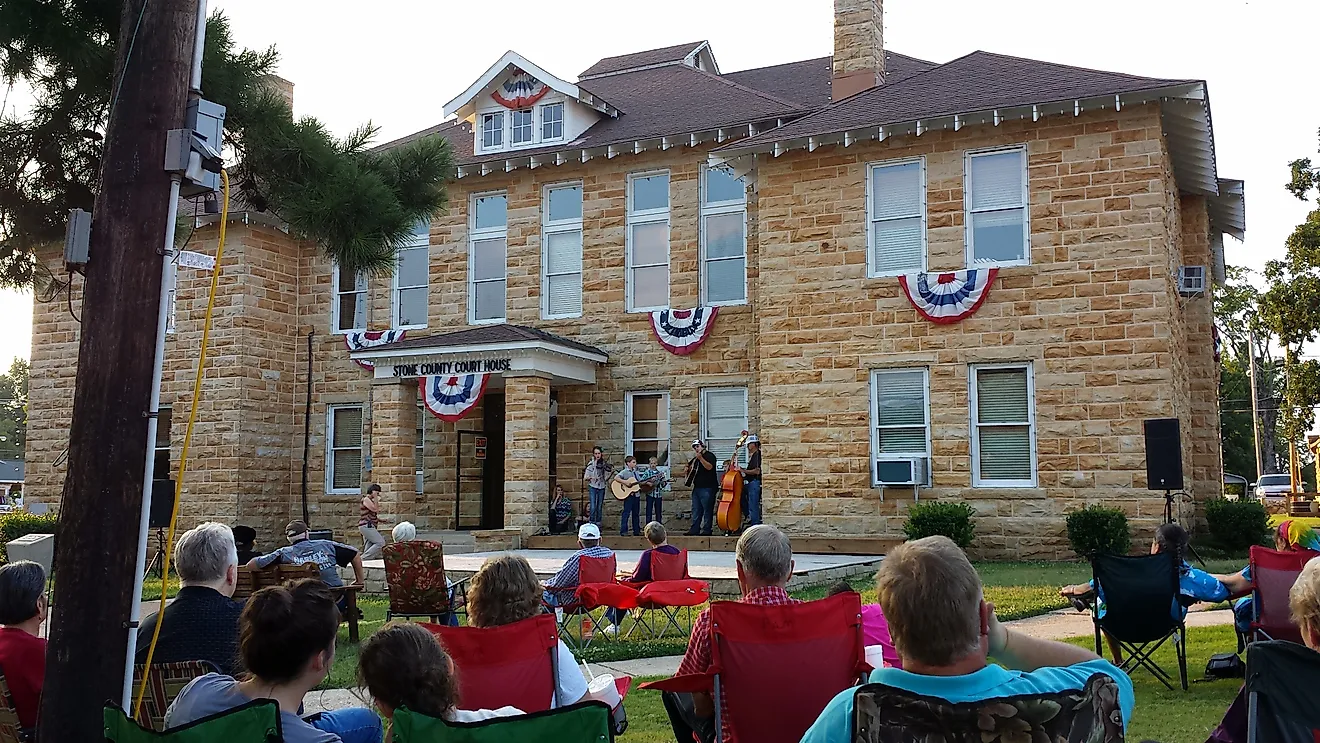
859	46
280	86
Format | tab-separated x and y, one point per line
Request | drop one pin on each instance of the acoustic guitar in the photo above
622	490
729	512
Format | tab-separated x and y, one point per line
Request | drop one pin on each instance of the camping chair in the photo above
1140	596
886	713
257	721
505	666
597	589
11	730
415	578
670	590
1273	574
585	722
251	581
1281	681
164	682
776	667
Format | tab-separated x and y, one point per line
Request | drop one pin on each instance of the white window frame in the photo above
396	304
703	414
629	442
541	110
475	235
360	291
710	209
330	449
970	258
554	227
500	131
647	216
530	127
973	405
876	456
872	272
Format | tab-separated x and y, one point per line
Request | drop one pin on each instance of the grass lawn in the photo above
151	587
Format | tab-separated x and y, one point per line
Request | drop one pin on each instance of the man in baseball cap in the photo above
752	481
560	588
705	481
325	554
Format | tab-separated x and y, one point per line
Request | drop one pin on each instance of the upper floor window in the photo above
996	208
487	258
561	240
896	211
723	237
412	271
552	121
492	130
521	122
350	301
647	285
900	426
1003	426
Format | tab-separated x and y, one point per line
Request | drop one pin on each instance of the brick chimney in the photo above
280	86
859	46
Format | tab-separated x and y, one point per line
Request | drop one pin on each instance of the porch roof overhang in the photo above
499	350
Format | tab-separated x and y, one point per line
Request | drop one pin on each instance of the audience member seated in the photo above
658	539
875	630
202	621
1290	536
561	587
561	512
946	633
404	665
245	541
325	554
404	531
287	644
504	591
22	652
764	559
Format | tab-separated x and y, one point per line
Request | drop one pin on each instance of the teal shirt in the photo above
835	723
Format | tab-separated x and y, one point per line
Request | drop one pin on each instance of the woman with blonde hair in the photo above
506	590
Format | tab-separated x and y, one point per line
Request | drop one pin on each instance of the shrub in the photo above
20	523
1236	525
1099	529
952	520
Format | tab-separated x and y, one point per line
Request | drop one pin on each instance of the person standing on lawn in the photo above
369	523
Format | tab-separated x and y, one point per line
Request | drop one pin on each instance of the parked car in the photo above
1235	486
1273	487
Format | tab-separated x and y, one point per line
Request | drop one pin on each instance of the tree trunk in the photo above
99	514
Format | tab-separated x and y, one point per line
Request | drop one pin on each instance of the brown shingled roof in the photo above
808	82
651	57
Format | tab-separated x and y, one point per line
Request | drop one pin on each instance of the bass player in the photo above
631	504
705	482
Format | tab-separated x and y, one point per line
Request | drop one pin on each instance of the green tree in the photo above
356	203
13	409
1243	334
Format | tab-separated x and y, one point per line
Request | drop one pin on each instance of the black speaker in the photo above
1163	454
162	504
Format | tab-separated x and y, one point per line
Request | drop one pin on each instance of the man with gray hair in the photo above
201	623
22	652
764	559
945	632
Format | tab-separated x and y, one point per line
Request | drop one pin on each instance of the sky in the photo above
397	62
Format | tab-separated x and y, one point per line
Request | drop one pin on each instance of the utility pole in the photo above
103	494
1255	402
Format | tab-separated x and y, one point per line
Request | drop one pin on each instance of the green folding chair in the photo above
584	722
257	721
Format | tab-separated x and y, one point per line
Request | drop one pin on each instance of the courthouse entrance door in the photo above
492	490
469	481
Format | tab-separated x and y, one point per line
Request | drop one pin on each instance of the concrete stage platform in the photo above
716	567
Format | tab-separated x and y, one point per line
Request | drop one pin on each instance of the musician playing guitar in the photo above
752	481
632	503
705	481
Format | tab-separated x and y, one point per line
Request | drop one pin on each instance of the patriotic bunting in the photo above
683	331
449	397
950	296
520	90
361	340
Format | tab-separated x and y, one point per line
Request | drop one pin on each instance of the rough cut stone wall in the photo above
858	37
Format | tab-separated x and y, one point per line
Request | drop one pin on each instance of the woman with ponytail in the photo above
286	641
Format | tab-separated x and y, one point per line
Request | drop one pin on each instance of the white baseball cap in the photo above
753	440
697	442
588	531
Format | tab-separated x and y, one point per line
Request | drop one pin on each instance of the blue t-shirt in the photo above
835	723
213	693
1192	583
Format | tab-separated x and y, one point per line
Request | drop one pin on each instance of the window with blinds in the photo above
648	426
412	268
723	237
1003	417
419	449
723	419
647	271
488	258
896	210
900	416
561	247
350	301
343	466
996	206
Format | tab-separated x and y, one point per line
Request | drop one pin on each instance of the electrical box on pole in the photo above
195	152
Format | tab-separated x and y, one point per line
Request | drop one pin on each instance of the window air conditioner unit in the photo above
901	471
1191	281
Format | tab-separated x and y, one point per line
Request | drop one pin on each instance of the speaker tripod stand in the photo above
1169	518
157	565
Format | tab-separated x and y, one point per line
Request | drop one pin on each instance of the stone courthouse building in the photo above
962	281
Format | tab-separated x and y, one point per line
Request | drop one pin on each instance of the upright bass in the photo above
729	512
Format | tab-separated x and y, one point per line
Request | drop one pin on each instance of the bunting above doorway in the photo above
947	297
683	331
449	397
519	90
361	340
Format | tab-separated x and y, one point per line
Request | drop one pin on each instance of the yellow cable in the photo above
187	441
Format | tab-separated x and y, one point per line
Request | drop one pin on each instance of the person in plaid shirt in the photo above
562	586
765	563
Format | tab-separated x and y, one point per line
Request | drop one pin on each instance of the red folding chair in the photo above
670	591
776	667
597	589
1273	574
499	666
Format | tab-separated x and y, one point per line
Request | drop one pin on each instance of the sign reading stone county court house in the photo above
452	367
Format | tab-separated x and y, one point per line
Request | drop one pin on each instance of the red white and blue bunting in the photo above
449	397
683	331
949	296
361	340
519	90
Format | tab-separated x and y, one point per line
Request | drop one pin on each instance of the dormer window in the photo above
492	130
552	121
522	126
